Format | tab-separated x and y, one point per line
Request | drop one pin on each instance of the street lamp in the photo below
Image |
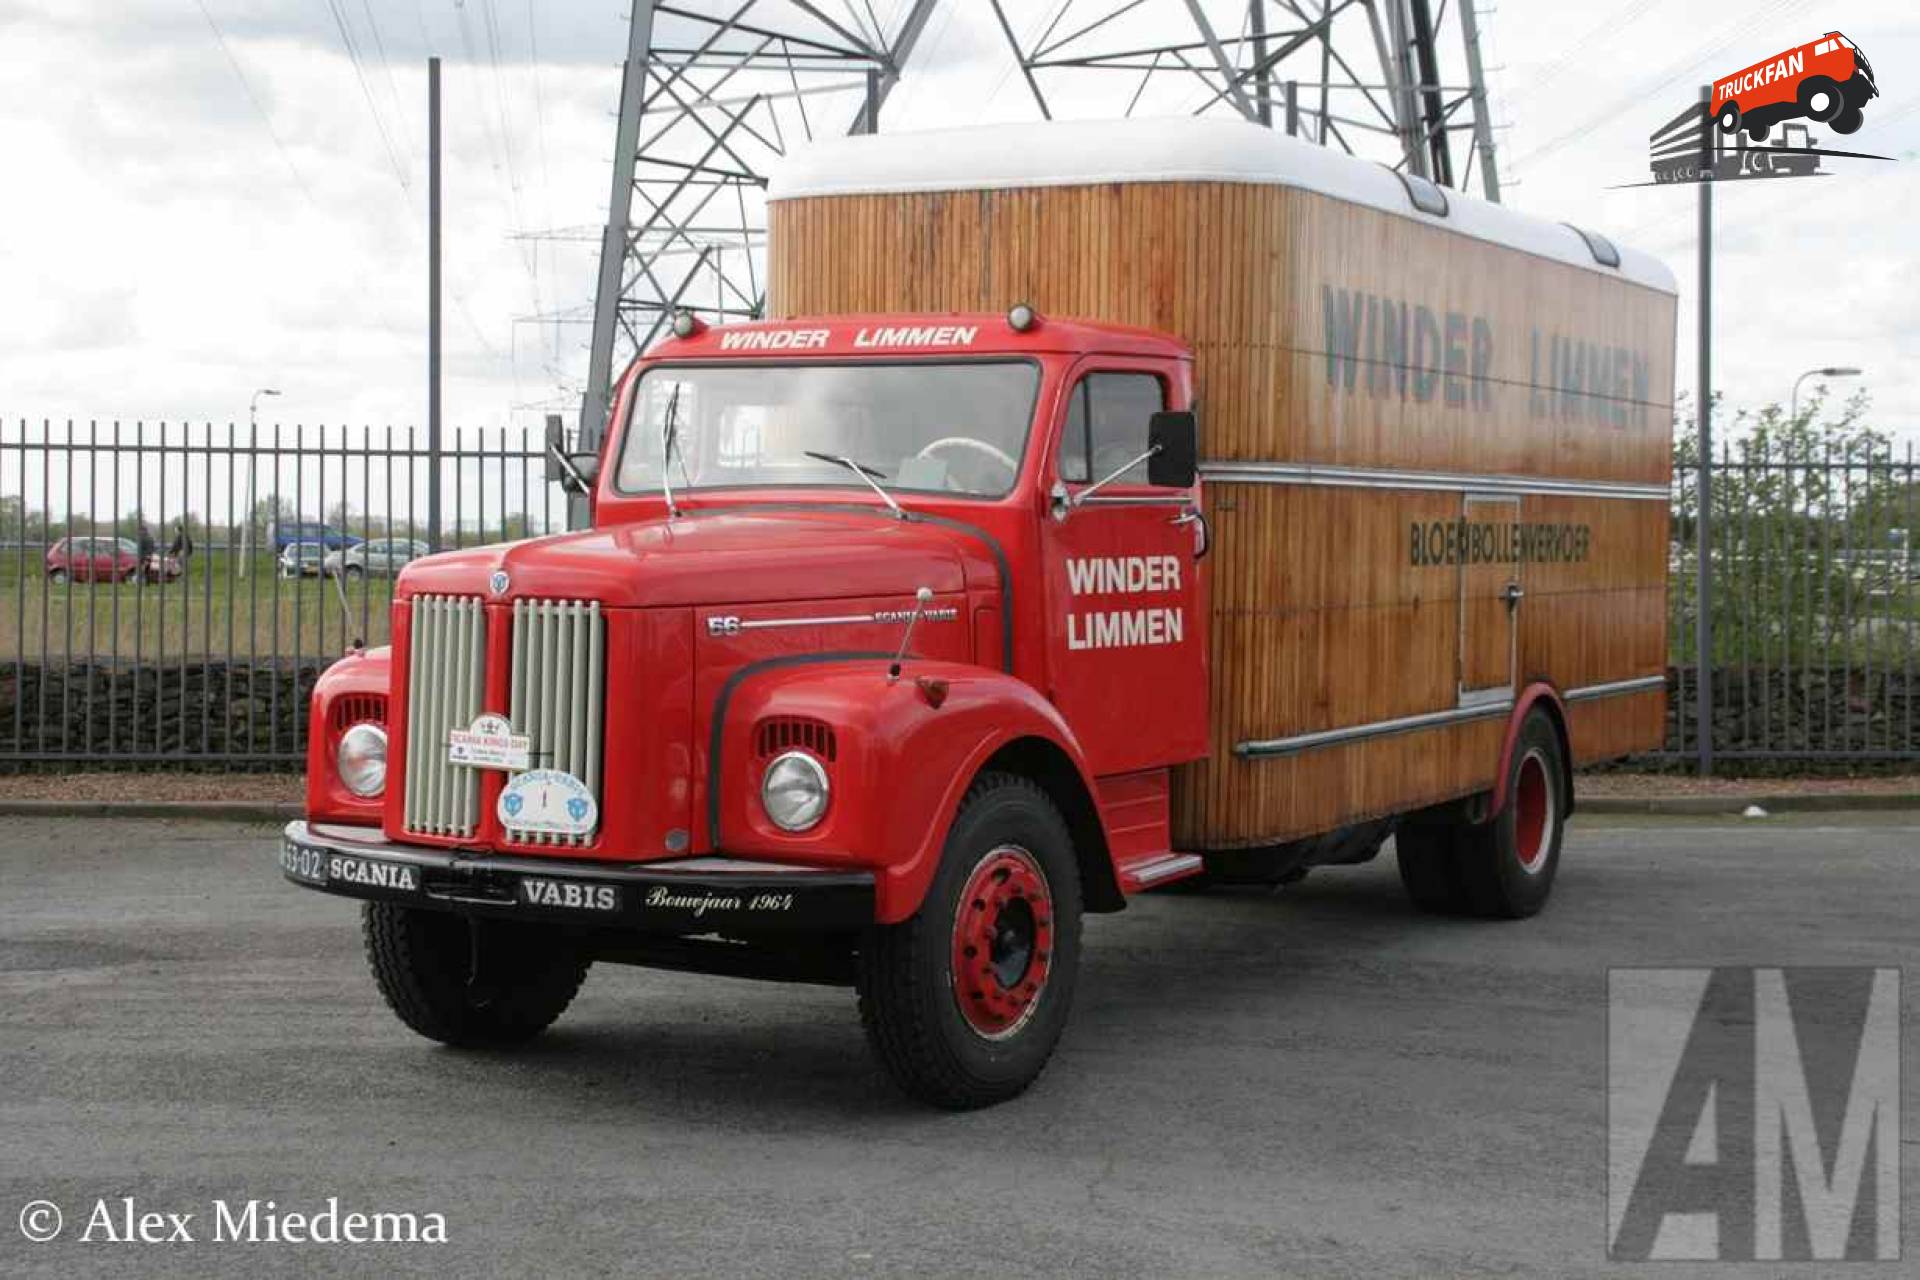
1832	371
253	434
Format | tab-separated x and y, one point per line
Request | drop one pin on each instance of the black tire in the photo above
910	1001
1831	104
1728	118
1758	132
1503	868
470	983
57	577
1848	120
1424	851
354	571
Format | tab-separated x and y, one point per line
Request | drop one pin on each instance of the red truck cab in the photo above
872	669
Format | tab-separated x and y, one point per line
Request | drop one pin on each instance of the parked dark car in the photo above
330	538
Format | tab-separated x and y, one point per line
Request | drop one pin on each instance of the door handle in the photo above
1514	594
1192	515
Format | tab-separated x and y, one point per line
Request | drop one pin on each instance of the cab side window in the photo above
1107	421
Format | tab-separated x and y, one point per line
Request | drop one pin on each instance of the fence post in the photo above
433	303
1703	527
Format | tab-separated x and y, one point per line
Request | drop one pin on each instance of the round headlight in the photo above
794	791
362	759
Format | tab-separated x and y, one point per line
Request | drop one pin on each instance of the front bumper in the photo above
684	896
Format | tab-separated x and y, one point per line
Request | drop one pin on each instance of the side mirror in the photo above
1175	440
575	471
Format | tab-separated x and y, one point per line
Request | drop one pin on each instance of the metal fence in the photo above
169	592
1814	610
200	649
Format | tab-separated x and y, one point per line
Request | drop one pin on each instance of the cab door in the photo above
1125	599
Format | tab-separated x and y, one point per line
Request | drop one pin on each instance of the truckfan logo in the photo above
1823	82
1753	1114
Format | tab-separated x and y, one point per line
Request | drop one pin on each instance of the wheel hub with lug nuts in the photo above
1002	942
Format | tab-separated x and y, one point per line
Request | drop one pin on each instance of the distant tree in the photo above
1792	499
18	521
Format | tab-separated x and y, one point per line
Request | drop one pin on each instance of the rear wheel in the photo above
1502	868
964	1003
1729	118
471	983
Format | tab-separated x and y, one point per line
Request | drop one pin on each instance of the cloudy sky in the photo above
212	196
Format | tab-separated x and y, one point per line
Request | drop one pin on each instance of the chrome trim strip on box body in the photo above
1325	475
1432	719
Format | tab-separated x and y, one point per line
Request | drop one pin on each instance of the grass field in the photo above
214	611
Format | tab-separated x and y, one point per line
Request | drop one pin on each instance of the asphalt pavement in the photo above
1311	1081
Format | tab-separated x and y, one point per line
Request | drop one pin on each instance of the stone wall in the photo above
1846	717
244	710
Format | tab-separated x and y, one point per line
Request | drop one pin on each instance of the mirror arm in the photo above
1080	497
575	478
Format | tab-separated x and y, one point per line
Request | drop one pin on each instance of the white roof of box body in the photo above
1186	149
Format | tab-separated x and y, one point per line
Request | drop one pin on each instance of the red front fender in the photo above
351	690
899	756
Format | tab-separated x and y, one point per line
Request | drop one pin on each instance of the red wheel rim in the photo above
1532	813
1002	942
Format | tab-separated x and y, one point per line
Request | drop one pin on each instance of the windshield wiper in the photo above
866	473
667	433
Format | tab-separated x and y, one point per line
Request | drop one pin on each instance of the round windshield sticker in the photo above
548	802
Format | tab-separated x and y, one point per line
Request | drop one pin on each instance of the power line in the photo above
1711	48
259	108
366	91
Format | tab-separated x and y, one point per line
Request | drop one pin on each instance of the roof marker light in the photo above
688	325
1022	318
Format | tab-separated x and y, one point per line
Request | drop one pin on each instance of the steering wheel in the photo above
933	447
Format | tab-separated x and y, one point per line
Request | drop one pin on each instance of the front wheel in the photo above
471	983
964	1003
1848	120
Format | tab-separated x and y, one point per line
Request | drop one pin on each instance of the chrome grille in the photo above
446	670
556	694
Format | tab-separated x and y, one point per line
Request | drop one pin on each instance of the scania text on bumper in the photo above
687	895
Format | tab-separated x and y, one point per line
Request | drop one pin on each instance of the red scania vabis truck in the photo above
910	630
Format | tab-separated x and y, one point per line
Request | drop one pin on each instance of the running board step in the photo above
1159	869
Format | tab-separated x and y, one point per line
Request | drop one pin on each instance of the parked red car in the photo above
92	560
107	560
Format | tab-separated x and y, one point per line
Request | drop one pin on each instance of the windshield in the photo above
942	428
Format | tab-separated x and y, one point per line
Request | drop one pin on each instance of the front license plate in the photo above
308	866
